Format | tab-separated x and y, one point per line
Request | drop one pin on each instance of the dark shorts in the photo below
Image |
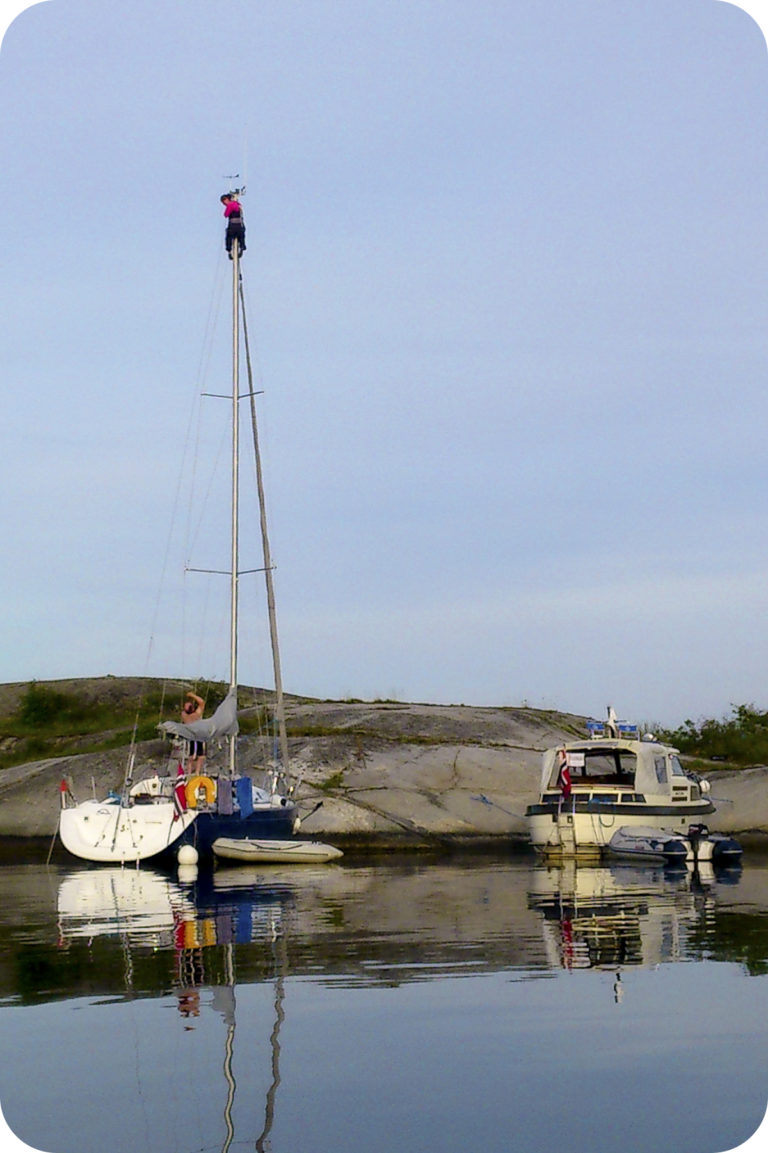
195	748
235	231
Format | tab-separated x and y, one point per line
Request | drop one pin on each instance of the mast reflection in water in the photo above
419	1003
244	912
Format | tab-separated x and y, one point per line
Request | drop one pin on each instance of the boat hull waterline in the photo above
586	828
108	832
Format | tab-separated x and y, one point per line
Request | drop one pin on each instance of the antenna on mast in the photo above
234	190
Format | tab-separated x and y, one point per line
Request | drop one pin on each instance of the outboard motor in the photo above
696	834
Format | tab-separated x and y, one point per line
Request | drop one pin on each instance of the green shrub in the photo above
741	739
52	722
332	783
42	706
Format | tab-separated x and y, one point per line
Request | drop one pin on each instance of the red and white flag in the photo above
179	796
564	777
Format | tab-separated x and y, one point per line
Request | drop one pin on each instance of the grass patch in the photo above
51	722
332	783
259	721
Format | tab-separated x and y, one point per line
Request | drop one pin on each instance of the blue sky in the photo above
507	285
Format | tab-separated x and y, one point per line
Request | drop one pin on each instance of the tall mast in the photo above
235	483
282	735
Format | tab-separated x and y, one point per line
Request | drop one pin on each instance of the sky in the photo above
507	285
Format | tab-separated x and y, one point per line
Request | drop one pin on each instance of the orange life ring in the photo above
194	785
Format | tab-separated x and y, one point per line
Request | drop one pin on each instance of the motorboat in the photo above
614	779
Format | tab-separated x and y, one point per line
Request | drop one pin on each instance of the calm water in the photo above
409	1006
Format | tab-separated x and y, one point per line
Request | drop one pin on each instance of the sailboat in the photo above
186	813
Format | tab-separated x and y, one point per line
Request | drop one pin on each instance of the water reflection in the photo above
144	908
612	916
137	905
233	952
370	924
409	923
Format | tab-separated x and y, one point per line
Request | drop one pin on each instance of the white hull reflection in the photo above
618	915
138	904
202	924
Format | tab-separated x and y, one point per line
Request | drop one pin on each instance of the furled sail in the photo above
219	726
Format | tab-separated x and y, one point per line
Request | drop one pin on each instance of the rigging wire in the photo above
214	308
199	497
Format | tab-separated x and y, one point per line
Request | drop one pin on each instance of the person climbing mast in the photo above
233	212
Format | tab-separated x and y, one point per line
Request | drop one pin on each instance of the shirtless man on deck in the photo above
192	710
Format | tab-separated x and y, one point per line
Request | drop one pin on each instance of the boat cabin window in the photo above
660	764
602	766
675	765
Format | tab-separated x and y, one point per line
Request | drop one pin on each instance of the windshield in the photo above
599	766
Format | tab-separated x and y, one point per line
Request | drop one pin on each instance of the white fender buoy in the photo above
187	855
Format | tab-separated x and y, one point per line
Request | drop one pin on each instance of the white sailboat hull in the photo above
106	832
282	852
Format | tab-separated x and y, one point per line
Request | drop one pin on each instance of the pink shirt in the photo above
232	206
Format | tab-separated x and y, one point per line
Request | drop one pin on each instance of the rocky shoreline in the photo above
386	774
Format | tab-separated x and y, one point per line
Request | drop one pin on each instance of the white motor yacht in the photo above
612	780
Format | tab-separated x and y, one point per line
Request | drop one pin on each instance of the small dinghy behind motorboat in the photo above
282	852
647	844
699	846
715	849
